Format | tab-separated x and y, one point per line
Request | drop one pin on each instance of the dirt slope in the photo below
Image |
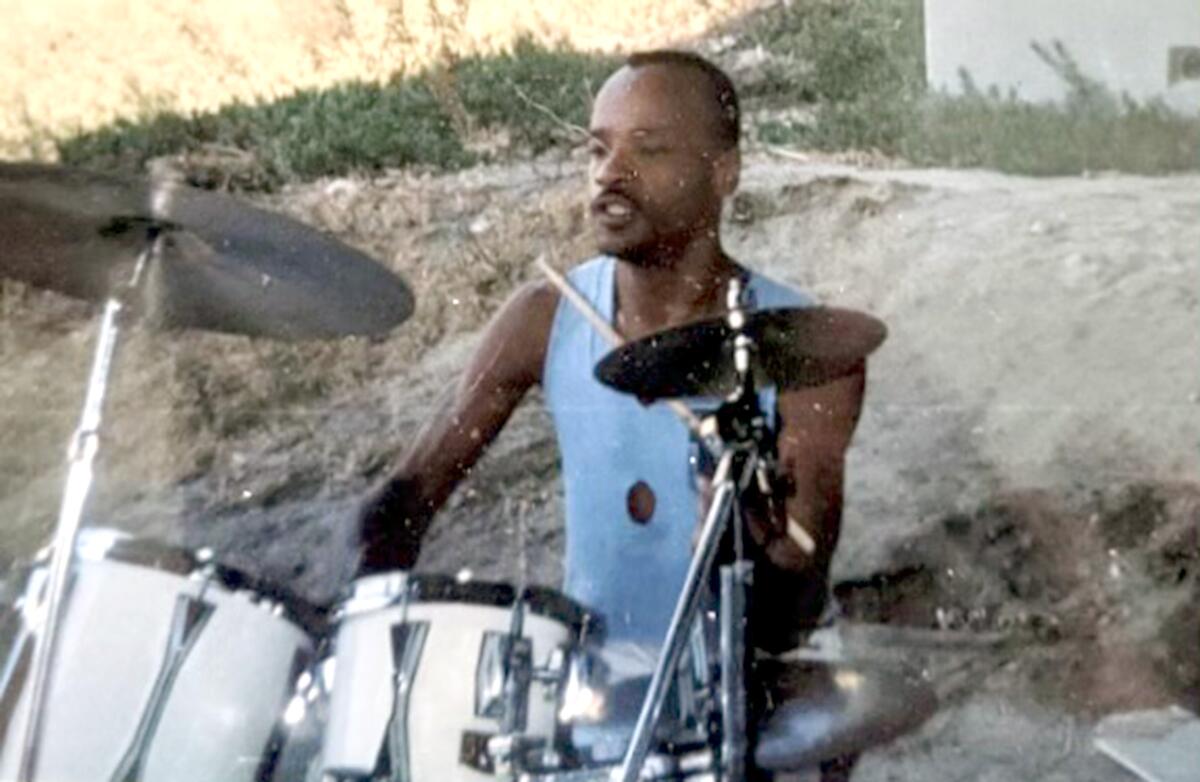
1024	475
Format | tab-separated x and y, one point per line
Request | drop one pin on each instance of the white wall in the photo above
1123	43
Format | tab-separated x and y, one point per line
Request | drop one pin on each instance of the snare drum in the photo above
165	668
418	685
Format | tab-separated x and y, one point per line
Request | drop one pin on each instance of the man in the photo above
663	156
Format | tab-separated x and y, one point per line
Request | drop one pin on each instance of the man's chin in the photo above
644	255
645	258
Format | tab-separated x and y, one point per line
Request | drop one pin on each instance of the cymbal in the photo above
837	709
221	265
795	348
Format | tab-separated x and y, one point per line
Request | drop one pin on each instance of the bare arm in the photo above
791	584
817	425
506	364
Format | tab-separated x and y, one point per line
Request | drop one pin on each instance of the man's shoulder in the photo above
535	301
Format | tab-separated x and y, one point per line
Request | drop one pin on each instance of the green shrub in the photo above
1007	134
538	94
533	92
855	66
309	134
830	51
858	64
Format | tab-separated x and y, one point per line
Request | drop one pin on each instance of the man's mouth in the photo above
613	210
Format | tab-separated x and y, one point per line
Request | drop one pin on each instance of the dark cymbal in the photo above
837	709
222	265
796	348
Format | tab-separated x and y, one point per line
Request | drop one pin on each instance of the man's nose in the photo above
612	166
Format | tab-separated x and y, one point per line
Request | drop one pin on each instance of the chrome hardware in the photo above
191	614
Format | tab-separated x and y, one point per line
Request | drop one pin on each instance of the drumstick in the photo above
798	534
585	308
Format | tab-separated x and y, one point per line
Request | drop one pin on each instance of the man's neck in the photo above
680	289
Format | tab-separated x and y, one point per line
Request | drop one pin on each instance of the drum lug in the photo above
502	680
507	755
516	686
501	750
580	694
555	668
408	641
490	674
191	615
475	753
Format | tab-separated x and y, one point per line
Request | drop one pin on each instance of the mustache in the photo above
615	192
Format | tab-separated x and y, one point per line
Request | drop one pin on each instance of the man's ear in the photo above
727	168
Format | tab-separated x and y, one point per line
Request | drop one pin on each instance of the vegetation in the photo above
1093	130
532	94
855	66
860	66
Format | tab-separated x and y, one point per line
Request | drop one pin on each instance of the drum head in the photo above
373	592
101	543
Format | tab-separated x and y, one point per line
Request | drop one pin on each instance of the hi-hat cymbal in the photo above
221	265
836	709
795	348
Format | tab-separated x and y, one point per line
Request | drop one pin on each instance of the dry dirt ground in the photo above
1022	506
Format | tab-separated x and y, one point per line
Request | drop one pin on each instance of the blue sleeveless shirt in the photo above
627	571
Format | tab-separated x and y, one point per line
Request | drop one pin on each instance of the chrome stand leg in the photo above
718	519
735	579
81	454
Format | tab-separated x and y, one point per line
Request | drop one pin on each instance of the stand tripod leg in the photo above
735	580
684	616
82	453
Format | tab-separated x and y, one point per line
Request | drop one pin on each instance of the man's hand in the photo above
767	520
795	523
771	527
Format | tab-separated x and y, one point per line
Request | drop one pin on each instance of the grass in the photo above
1005	134
860	65
856	66
312	133
531	94
1092	130
826	52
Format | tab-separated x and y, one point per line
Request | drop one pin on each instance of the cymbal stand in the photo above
81	454
747	448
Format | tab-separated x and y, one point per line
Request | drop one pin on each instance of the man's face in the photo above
658	172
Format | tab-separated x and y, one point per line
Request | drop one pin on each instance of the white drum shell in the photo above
220	713
441	705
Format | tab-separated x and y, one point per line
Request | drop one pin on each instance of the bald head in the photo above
705	87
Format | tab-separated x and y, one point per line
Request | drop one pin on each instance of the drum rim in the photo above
540	600
159	555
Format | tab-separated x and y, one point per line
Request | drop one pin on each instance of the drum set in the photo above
129	660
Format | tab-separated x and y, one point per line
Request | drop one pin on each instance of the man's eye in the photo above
596	149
